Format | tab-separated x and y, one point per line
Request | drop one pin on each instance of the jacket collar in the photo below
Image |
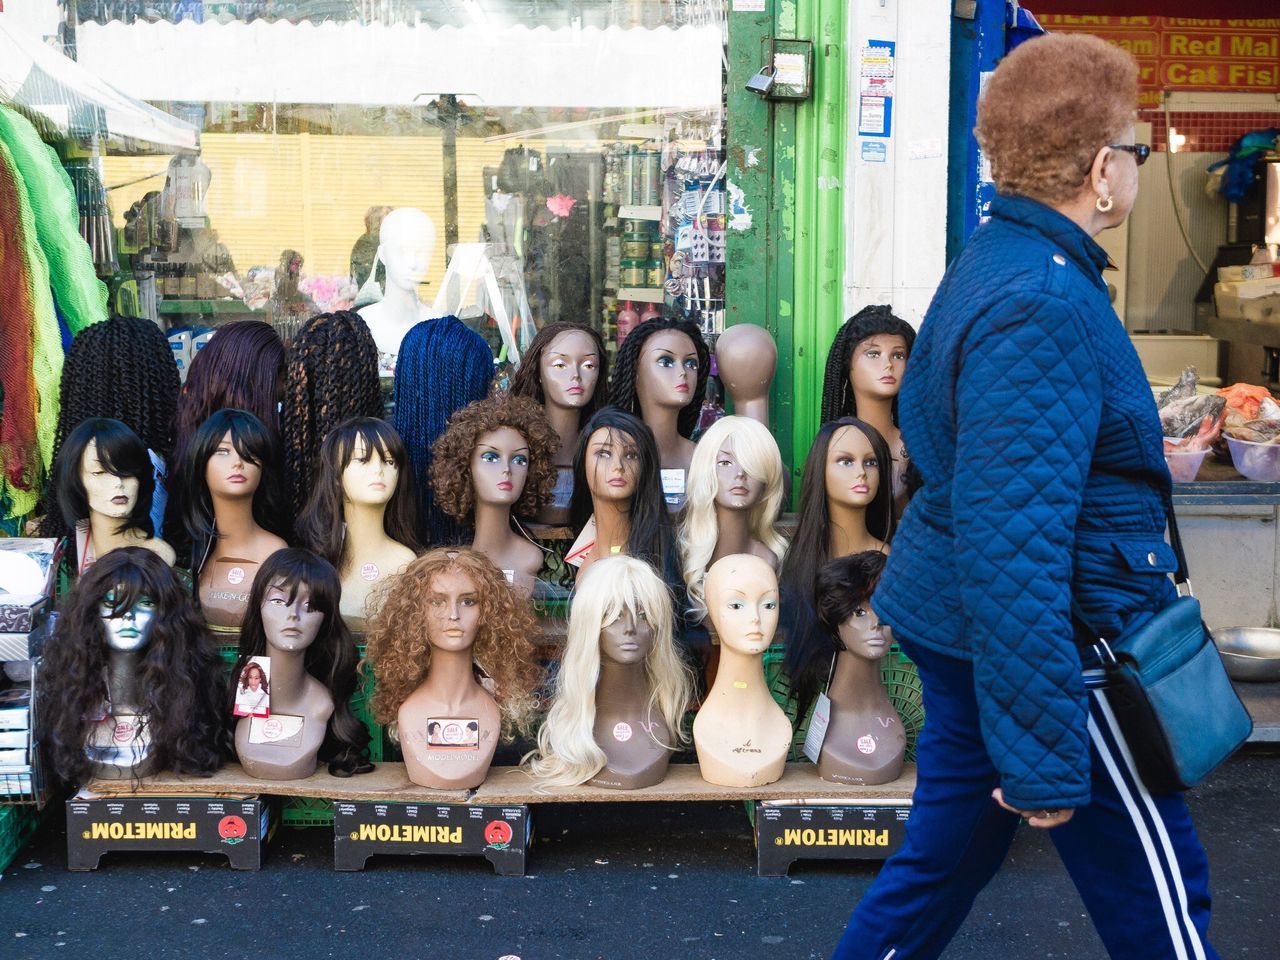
1074	243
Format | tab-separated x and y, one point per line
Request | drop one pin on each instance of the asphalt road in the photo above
615	881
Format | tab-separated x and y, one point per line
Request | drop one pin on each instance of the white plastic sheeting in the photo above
353	63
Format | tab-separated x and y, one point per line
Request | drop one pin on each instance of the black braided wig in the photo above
331	372
121	369
622	388
837	395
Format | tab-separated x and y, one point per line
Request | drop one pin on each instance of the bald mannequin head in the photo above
747	359
742	601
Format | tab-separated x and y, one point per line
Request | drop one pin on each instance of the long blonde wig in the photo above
757	453
567	752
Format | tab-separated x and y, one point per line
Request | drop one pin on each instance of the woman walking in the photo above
1029	416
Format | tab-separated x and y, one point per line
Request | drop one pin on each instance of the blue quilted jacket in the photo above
1028	413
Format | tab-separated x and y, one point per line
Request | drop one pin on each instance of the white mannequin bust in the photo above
406	244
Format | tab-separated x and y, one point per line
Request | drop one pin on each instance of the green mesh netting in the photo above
80	295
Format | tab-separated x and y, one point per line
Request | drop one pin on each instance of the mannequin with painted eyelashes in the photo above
741	735
865	741
290	625
746	361
853	477
666	380
612	464
406	244
875	378
369	555
119	745
499	468
112	499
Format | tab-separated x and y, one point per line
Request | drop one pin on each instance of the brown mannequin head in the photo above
856	365
563	356
854	472
843	599
747	359
402	636
642	368
483	440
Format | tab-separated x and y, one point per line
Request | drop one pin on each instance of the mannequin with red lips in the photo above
290	626
111	499
666	378
241	545
875	377
853	478
741	735
612	484
369	555
746	360
865	742
499	468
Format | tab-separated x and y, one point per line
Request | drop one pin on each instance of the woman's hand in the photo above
1042	819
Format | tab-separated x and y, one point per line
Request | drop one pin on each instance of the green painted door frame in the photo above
785	271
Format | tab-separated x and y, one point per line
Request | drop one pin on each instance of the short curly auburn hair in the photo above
1048	109
451	454
397	648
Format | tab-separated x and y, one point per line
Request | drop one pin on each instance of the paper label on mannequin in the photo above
867	744
673	485
369	572
253	689
511	577
817	727
562	492
235	575
453	733
126	728
583	545
622	731
280	729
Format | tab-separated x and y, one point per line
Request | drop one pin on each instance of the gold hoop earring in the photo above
1104	205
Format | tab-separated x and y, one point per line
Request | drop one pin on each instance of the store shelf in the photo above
204	307
635	212
641	294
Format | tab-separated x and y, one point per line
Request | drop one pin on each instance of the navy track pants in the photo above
1134	856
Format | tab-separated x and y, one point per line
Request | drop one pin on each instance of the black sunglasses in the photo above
1140	151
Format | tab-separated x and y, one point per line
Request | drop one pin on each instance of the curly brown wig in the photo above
400	654
1048	109
451	455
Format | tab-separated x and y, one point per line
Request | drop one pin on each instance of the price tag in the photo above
818	727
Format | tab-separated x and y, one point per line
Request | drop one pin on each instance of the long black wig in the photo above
837	394
256	444
123	454
810	549
332	658
180	684
622	388
320	525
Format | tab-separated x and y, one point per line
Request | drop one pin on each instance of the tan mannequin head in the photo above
569	369
877	365
611	465
229	474
667	371
108	494
853	470
290	623
371	476
742	601
747	359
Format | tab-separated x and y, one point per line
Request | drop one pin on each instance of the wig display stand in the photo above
498	833
237	827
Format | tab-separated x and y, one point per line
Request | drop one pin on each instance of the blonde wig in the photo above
757	453
400	653
567	751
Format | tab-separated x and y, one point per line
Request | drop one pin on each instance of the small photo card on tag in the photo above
253	689
453	733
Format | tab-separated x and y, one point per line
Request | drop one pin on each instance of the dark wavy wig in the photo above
256	444
241	368
320	525
528	379
837	395
810	549
622	390
332	658
331	371
123	453
121	368
842	586
180	679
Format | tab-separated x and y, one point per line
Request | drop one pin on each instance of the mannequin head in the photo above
103	468
746	360
297	590
406	241
232	457
130	603
443	365
121	368
619	603
742	601
657	359
616	459
423	605
565	366
842	597
501	440
856	365
736	466
331	368
361	462
856	472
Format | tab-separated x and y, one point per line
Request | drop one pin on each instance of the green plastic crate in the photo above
900	679
17	823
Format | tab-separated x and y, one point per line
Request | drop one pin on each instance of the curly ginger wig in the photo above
455	493
399	650
1048	109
